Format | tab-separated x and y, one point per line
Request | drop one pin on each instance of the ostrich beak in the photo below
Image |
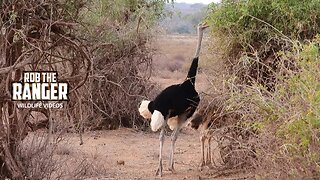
204	25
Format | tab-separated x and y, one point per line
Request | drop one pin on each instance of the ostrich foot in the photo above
202	164
159	171
210	165
171	168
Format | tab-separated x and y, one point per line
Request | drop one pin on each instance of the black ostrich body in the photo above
174	104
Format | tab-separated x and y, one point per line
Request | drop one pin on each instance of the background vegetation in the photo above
98	47
271	51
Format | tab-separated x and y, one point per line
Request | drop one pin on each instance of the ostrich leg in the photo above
161	138
174	137
202	139
209	154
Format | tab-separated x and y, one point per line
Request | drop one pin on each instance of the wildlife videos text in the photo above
36	105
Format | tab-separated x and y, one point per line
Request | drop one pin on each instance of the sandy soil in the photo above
130	154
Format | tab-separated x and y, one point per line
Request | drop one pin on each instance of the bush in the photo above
272	50
251	33
92	45
290	117
118	34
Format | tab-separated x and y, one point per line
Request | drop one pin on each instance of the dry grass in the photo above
58	158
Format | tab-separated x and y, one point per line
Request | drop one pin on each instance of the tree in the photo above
97	47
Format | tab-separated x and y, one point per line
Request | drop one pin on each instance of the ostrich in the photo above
209	121
198	122
175	104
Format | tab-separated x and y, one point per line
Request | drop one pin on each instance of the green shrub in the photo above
272	49
250	34
301	95
255	22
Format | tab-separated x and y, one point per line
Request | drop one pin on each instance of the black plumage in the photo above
179	98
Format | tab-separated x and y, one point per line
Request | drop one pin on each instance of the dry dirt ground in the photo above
129	154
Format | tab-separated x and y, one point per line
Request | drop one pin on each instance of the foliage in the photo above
272	50
301	93
253	31
35	36
118	33
124	11
289	116
92	45
258	21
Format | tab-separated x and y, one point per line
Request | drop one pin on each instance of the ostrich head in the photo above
201	28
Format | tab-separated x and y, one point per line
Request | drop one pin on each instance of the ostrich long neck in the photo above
200	34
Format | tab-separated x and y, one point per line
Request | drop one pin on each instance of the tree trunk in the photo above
10	129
